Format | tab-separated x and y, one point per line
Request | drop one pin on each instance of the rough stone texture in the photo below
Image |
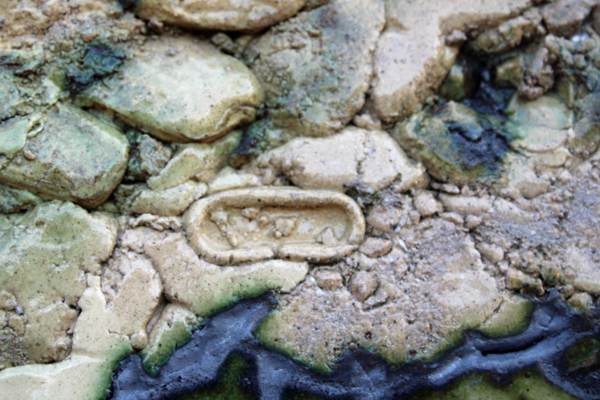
206	288
365	160
13	200
328	280
172	330
564	17
416	315
375	247
227	15
148	91
74	157
147	156
412	57
427	205
139	199
197	161
45	255
316	67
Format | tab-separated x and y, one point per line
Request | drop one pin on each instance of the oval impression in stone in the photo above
249	225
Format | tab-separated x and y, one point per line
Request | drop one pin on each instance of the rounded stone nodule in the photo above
249	225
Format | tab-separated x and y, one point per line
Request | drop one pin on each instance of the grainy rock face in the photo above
74	156
397	172
316	67
148	94
224	15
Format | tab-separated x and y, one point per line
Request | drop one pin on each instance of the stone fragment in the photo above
138	199
148	93
316	67
44	256
366	160
195	160
492	252
172	330
510	73
132	274
74	157
580	302
363	285
539	76
541	125
13	200
455	143
453	217
230	179
8	301
375	247
461	82
564	17
328	280
596	20
206	288
412	57
587	128
427	205
516	280
511	33
224	15
384	218
147	156
586	275
289	225
466	205
510	318
473	221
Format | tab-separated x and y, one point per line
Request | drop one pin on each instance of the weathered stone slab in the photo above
180	89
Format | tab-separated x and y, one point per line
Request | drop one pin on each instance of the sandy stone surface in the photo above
413	57
316	67
409	170
227	15
148	94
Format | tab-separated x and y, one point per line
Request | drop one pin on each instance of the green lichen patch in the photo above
511	317
584	354
526	385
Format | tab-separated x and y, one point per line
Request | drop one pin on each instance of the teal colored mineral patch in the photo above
98	62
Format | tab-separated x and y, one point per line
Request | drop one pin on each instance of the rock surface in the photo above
45	256
147	93
227	15
316	66
412	56
73	157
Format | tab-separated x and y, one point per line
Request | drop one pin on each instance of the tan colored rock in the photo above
375	247
8	301
328	280
581	302
366	160
362	285
230	179
206	288
44	258
564	17
413	313
289	225
138	199
148	92
539	76
224	15
587	273
384	218
492	252
466	205
427	205
510	318
74	157
412	57
199	161
172	330
100	341
511	33
316	67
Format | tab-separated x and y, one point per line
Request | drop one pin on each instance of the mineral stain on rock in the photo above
98	62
